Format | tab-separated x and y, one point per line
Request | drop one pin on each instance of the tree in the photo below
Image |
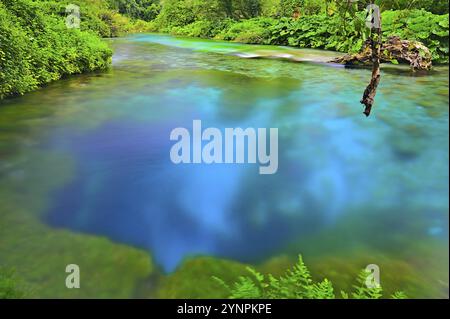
139	9
373	21
241	9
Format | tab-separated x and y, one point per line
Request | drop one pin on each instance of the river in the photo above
91	153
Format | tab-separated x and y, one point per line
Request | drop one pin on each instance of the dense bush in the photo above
335	33
175	13
36	48
325	24
242	9
343	34
146	10
428	28
95	15
254	31
180	13
320	31
433	6
297	8
202	28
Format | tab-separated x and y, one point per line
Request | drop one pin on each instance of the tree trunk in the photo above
371	90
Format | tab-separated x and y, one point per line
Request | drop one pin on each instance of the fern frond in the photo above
245	288
362	291
399	295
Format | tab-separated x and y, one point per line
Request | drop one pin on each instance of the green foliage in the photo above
243	9
297	283
399	295
270	8
289	7
433	6
201	29
146	10
9	285
430	29
323	24
254	31
361	291
320	31
104	17
95	15
37	48
180	13
347	34
295	8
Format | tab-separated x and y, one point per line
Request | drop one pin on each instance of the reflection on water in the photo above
332	160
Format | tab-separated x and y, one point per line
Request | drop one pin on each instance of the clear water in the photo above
99	147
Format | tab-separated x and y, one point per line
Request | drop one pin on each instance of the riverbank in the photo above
43	42
40	48
322	29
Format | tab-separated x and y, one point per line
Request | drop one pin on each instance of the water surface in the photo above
385	177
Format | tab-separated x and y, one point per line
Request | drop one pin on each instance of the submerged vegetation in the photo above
9	285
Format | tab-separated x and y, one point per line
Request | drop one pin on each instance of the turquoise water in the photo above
100	146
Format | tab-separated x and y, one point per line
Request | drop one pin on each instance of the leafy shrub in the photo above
254	31
201	28
322	24
37	48
180	13
293	8
348	34
320	31
146	10
142	26
239	9
297	283
95	15
433	6
420	25
270	8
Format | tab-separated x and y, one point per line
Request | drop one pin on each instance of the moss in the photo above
193	279
40	255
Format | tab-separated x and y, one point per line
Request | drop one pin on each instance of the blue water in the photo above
334	163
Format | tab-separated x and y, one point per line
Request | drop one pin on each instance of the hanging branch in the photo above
376	42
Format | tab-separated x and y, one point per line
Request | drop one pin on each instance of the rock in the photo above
394	50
